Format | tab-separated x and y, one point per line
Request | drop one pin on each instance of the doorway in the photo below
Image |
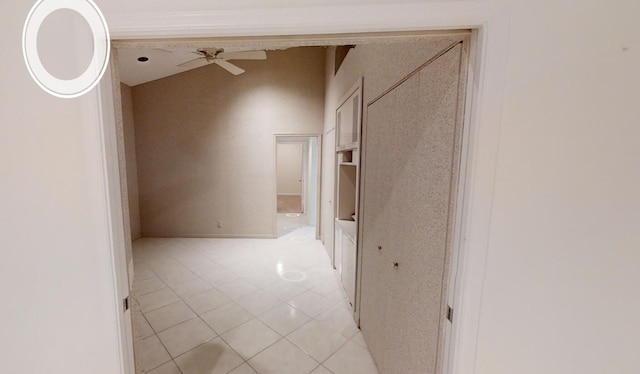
306	210
297	179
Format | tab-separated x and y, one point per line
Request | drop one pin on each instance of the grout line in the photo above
166	350
334	304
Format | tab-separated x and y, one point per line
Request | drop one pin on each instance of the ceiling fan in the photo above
219	57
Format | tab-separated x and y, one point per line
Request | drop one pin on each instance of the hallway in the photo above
242	306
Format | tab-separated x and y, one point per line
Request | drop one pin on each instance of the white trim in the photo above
214	236
304	139
460	219
488	71
301	20
105	112
490	18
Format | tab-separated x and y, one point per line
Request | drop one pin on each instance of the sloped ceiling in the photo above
162	62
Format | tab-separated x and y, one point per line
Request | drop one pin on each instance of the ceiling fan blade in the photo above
200	61
231	68
248	55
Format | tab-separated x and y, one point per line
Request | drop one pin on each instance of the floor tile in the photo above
283	358
262	278
191	287
219	278
321	370
284	290
142	272
206	301
339	318
148	285
358	338
141	328
237	289
335	295
178	275
204	267
243	369
351	359
169	316
311	303
168	368
214	357
317	340
164	264
284	319
150	353
250	338
328	287
195	267
258	302
186	336
157	299
226	317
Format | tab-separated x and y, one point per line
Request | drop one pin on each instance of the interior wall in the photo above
560	294
205	143
59	306
561	287
289	168
131	163
381	65
377	64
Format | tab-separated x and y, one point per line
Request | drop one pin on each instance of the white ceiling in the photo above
163	6
162	63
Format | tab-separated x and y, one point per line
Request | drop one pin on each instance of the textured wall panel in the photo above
412	155
206	148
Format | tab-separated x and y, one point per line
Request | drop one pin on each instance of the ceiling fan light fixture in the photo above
221	58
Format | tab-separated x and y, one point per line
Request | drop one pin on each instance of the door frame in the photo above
303	139
489	21
303	168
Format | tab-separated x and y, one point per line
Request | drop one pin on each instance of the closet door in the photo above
412	147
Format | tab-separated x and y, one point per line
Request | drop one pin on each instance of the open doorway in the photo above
297	178
305	215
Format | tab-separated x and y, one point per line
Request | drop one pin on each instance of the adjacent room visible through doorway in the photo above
297	181
236	211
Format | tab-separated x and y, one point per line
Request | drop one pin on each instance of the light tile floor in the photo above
205	306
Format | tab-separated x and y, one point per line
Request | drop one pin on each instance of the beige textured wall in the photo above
382	65
289	159
130	156
206	147
412	146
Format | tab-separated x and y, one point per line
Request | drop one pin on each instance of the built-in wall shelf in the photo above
347	147
348	124
347	192
349	157
349	228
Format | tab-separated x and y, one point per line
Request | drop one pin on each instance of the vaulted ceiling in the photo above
158	62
